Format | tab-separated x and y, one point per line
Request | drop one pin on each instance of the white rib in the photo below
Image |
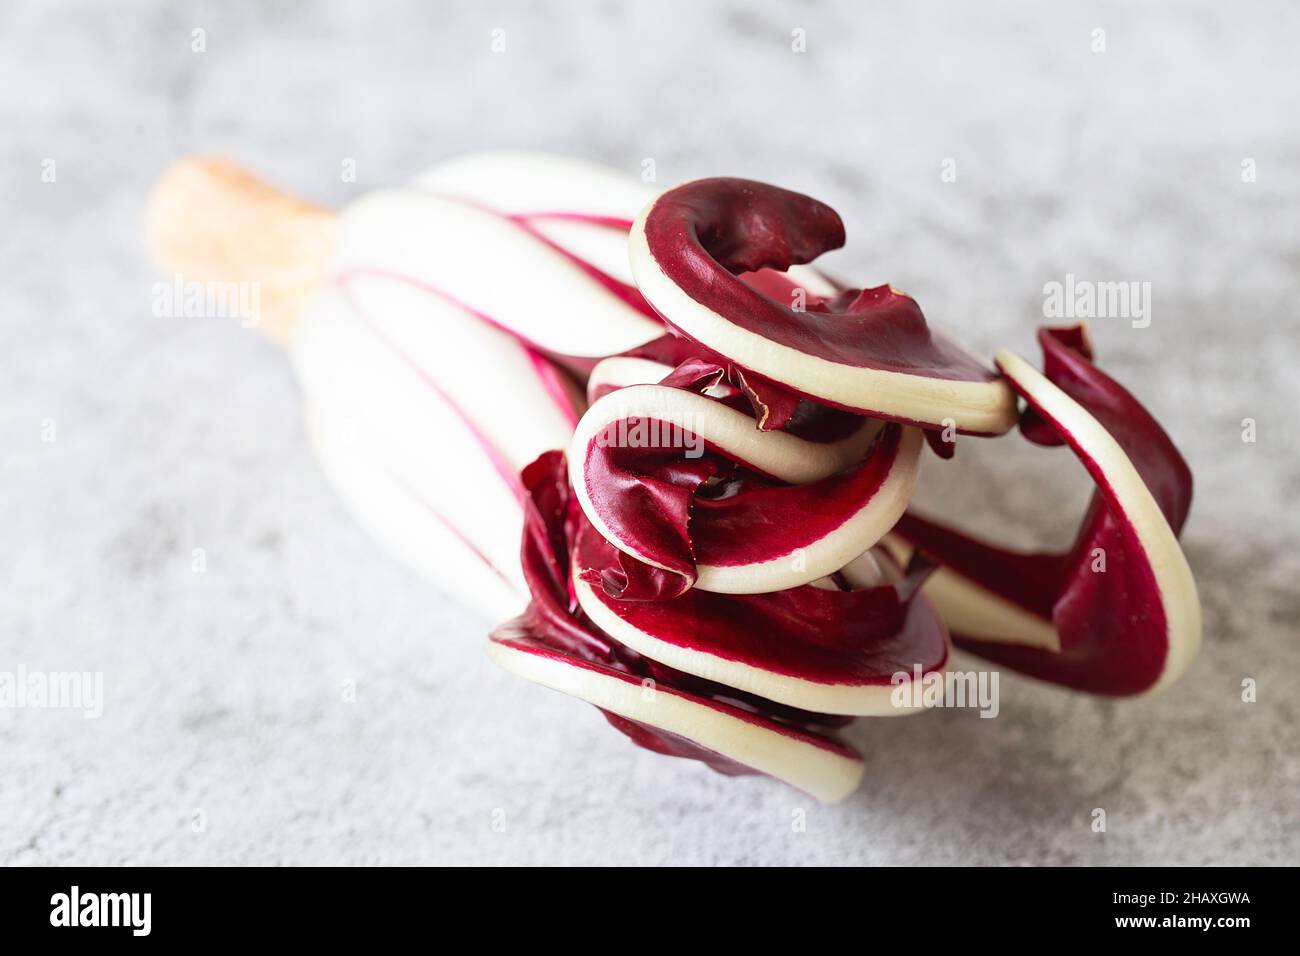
404	525
522	181
621	371
822	773
391	417
494	267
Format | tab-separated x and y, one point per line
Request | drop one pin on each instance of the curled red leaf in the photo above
1118	612
865	350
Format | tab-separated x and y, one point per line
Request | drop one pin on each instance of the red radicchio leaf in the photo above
555	644
754	512
810	647
868	350
1118	612
940	445
1075	338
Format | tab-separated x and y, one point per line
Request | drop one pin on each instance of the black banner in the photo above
334	906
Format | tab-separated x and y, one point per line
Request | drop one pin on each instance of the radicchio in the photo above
730	529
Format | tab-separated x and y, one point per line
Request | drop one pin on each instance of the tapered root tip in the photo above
209	220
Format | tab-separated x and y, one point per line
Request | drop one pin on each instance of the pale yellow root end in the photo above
210	220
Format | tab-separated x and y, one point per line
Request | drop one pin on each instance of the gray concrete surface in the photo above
223	690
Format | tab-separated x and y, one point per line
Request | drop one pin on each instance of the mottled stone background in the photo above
223	689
